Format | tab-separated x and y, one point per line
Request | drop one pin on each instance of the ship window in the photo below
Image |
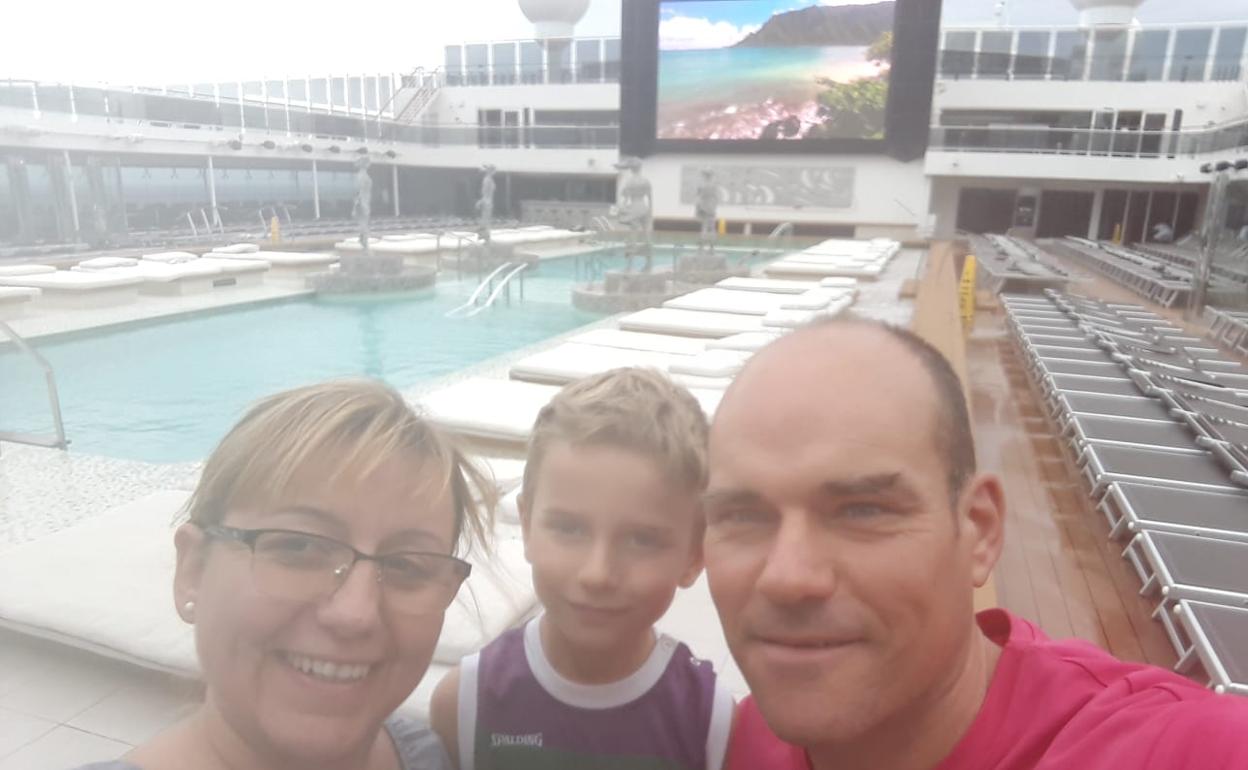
1226	62
1148	58
1191	51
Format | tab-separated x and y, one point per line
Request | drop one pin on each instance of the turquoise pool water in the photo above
167	391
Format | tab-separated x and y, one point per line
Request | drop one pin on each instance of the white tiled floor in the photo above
61	707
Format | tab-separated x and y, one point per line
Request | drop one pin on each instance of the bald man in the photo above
847	529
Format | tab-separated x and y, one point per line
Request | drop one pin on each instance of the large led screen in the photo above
778	76
790	70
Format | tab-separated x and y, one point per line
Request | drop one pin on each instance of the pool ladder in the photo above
495	285
58	440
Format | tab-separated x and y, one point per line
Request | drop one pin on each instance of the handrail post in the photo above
54	401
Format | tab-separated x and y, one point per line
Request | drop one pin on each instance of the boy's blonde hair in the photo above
361	424
637	409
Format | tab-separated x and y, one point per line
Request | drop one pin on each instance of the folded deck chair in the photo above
690	323
1106	463
1107	429
1218	639
1138	407
1175	566
1133	507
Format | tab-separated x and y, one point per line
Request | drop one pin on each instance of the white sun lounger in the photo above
729	301
655	343
770	285
171	257
14	299
89	598
746	341
165	279
496	410
690	323
237	272
823	270
236	248
572	361
70	289
289	267
17	271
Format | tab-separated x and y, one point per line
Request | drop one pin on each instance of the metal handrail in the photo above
782	230
54	400
481	289
505	283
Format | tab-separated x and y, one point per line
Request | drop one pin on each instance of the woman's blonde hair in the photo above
361	424
634	408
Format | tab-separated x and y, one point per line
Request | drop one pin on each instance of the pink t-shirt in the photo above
1061	704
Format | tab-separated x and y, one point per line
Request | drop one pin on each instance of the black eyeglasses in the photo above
299	566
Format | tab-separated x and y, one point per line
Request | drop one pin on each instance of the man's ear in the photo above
982	518
191	545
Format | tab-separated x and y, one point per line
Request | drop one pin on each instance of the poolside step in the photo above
51	442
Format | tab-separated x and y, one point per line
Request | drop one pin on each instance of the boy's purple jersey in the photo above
517	713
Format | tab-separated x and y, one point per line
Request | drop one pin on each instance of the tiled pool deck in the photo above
59	706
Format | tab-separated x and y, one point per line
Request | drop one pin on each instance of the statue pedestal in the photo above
358	282
706	269
623	291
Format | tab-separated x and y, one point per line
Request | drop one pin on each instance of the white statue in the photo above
706	210
362	210
485	204
634	204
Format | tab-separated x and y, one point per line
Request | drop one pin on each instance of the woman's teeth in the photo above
330	672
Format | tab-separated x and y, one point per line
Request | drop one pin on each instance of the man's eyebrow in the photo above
880	483
723	497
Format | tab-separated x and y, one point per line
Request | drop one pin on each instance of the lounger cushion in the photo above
70	280
89	598
772	285
13	271
815	299
712	363
286	258
105	263
237	248
748	341
502	410
572	361
656	343
170	257
729	301
235	266
15	294
690	323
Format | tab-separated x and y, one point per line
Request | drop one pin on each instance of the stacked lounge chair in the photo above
1157	422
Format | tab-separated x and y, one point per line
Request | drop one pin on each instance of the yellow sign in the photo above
966	293
723	227
275	230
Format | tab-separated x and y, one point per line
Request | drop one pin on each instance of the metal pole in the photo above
1215	213
73	195
395	183
212	190
316	193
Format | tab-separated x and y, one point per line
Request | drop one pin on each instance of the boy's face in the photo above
610	538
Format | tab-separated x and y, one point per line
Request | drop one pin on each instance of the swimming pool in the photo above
167	391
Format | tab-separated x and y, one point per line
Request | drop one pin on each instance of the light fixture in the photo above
362	150
335	149
269	144
1241	164
391	154
306	147
234	144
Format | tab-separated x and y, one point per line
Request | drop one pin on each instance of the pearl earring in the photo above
189	610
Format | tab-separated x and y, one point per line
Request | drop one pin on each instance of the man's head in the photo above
847	529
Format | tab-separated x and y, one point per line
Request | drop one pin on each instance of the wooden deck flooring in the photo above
1059	567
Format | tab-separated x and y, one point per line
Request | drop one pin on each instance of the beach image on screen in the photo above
773	69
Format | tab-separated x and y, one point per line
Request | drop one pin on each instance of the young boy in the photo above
609	509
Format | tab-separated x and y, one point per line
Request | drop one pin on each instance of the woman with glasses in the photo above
316	565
